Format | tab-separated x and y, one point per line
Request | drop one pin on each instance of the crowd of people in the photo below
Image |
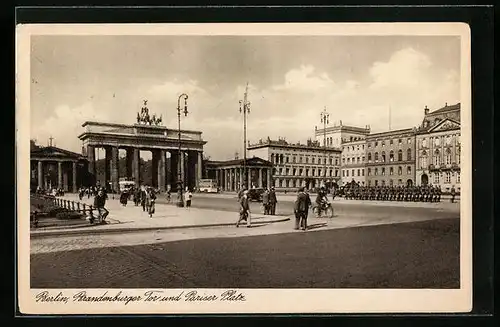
421	193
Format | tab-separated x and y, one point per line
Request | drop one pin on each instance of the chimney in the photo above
426	110
446	104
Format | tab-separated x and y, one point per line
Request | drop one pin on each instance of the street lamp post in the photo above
180	182
245	109
325	120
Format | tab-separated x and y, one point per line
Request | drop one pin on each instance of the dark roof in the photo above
55	152
446	108
254	161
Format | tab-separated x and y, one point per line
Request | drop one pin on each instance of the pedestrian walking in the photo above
169	196
189	197
124	198
150	201
272	201
265	201
452	194
244	210
143	198
301	209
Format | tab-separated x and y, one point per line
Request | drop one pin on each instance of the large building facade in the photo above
294	165
351	141
390	158
354	162
439	148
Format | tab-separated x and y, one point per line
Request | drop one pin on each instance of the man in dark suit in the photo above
301	209
272	201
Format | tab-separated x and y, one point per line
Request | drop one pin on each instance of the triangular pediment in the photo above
445	125
259	161
53	152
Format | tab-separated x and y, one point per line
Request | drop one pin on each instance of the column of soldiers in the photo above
425	193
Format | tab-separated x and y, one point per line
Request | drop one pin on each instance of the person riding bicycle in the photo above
321	199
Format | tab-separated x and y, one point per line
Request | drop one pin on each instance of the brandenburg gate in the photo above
146	135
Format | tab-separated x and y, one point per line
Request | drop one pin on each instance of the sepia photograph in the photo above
232	168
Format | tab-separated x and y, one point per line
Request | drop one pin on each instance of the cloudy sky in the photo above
291	78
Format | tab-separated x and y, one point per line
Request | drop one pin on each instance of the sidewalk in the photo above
132	218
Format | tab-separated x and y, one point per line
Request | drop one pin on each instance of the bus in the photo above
126	185
208	186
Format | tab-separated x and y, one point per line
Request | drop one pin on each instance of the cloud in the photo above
405	68
305	79
66	124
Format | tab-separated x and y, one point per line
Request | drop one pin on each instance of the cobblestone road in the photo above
408	255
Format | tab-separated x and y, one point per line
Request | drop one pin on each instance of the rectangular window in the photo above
359	173
447	178
400	171
369	172
376	171
343	173
391	171
408	171
313	171
352	173
436	178
383	171
391	142
458	177
362	172
347	172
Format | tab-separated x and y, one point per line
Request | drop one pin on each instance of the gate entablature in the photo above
140	136
185	164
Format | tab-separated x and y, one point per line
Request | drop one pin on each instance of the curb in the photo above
66	232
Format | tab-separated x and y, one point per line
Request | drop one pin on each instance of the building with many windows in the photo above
338	134
438	148
390	158
353	165
295	165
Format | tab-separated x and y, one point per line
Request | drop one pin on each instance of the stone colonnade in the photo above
232	178
185	166
62	166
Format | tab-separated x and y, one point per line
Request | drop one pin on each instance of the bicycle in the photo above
326	209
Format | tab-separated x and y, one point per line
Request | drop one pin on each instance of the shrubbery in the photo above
69	215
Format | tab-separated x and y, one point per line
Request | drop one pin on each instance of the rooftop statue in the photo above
145	119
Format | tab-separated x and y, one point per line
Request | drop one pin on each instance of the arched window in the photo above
423	160
408	154
376	156
424	142
400	170
448	157
400	155
391	156
369	157
437	160
272	158
383	156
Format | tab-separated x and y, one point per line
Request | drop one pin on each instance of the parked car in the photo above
255	194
